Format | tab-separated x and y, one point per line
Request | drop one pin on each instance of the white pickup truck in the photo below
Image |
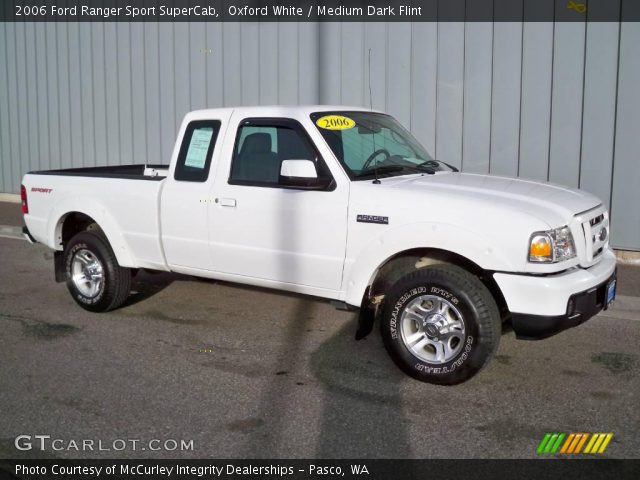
340	203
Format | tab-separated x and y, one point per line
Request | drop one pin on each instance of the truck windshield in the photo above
372	144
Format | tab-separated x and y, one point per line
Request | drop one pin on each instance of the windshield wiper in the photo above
420	168
395	168
453	169
384	169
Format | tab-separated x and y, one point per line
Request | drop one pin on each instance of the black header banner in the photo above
320	469
319	10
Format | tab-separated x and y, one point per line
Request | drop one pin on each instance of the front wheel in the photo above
94	278
440	324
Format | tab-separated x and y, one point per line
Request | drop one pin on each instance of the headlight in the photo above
552	246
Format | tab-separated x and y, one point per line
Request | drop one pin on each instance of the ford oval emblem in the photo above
603	234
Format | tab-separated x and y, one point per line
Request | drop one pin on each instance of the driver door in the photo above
262	229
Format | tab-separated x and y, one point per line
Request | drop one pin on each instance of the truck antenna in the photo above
375	169
370	95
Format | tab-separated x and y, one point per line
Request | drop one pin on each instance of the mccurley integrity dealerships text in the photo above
154	470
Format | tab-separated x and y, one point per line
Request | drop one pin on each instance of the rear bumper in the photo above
542	306
580	308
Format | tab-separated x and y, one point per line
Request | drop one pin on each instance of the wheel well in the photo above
408	261
73	223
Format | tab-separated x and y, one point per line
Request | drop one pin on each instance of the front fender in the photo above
478	248
102	217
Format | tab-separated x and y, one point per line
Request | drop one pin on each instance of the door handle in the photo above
228	202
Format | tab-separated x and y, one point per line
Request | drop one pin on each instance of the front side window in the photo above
261	146
369	144
196	150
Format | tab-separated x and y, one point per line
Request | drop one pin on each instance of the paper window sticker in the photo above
198	148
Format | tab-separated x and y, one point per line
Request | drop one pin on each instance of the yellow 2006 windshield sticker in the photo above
335	122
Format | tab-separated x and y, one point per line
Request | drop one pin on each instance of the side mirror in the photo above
301	174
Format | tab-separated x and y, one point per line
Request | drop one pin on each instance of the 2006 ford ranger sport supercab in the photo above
341	203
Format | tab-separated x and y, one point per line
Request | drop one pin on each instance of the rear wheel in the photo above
94	278
440	324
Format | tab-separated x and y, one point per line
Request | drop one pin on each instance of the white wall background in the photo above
557	102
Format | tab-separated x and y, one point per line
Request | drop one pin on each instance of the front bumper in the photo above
580	308
542	306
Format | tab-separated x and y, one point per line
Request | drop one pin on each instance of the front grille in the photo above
595	225
596	220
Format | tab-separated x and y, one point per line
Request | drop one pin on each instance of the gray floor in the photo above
251	373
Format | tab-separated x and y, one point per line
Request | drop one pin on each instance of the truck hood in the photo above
550	203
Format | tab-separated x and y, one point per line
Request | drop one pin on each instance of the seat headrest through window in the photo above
258	142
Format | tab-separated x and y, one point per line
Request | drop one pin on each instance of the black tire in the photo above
116	280
479	316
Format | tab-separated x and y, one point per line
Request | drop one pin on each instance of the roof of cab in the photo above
278	110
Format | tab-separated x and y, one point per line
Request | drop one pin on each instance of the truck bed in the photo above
124	200
131	172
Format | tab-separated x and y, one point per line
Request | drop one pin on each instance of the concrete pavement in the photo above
10	214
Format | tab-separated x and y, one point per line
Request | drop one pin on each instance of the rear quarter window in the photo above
194	158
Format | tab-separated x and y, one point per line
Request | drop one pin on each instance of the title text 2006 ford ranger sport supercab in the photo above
341	203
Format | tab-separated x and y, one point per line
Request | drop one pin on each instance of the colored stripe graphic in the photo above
550	443
576	444
543	443
605	444
598	443
581	443
568	442
555	447
592	441
572	443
